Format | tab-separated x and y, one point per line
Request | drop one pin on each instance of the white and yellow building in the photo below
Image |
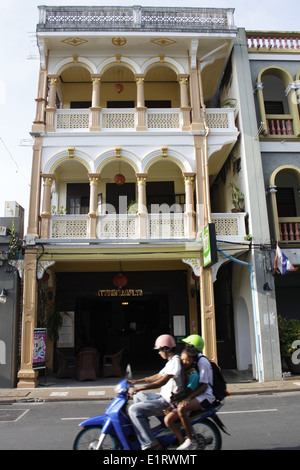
128	114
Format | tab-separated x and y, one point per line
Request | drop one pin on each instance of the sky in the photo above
19	66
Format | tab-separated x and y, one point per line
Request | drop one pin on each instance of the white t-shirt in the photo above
174	384
206	377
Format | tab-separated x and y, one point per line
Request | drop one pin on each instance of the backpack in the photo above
219	384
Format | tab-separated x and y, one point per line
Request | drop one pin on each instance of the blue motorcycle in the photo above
113	430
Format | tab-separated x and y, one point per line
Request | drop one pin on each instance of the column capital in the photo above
139	77
141	177
94	178
48	178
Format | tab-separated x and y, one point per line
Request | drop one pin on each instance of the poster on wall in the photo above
66	332
39	348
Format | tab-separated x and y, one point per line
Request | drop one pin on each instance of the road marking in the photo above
101	392
297	383
246	411
72	419
59	394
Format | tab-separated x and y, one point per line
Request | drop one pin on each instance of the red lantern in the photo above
120	280
119	179
119	87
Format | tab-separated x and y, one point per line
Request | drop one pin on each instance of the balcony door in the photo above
118	197
78	198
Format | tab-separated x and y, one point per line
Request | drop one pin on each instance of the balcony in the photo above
79	120
289	228
125	227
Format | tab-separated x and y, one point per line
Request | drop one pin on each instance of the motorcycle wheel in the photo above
207	435
87	439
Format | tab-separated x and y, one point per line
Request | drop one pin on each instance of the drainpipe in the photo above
206	172
257	343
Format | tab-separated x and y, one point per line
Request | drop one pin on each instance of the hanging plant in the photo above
14	244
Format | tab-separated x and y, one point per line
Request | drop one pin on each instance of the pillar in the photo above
140	103
35	189
95	108
189	205
93	178
51	108
27	375
46	208
195	102
39	122
184	102
142	205
208	319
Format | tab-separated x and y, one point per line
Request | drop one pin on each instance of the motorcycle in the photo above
113	430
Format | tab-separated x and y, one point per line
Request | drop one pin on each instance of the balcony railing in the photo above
289	228
134	18
280	124
77	120
229	226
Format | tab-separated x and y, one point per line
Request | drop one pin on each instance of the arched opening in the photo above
161	88
118	88
165	187
74	89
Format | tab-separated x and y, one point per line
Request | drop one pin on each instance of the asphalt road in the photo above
255	422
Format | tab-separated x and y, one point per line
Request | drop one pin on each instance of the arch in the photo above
242	335
107	157
292	170
65	63
172	156
118	60
278	72
166	61
56	160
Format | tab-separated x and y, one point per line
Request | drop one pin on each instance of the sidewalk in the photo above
103	388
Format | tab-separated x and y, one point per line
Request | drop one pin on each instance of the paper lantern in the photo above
119	87
120	280
119	179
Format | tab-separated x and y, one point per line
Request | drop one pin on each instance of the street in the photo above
255	422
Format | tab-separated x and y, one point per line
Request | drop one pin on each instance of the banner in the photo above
39	348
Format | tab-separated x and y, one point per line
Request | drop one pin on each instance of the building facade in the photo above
275	78
135	152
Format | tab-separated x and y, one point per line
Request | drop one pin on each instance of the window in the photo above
80	104
78	198
286	202
274	107
120	104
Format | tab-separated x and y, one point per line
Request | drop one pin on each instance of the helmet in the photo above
196	341
165	341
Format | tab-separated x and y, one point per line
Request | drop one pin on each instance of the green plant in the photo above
14	244
228	103
54	323
60	211
289	333
237	196
132	207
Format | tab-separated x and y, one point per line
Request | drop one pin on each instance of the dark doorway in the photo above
132	324
78	198
120	104
286	204
116	196
224	318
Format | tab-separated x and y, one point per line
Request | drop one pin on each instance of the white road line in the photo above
72	419
246	411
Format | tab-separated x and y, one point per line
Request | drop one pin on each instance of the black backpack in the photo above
219	384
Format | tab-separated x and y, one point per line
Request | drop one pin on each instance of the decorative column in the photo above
94	178
190	213
39	122
140	103
184	102
195	102
35	189
51	108
208	319
142	204
27	376
95	108
46	209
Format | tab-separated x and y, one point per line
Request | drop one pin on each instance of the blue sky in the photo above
19	72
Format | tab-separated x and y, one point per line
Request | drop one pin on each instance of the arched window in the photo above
277	103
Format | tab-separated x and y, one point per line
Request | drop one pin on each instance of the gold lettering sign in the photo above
120	292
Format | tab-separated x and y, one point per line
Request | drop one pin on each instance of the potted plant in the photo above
289	338
132	207
228	103
237	197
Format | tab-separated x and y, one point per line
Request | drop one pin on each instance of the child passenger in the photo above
191	383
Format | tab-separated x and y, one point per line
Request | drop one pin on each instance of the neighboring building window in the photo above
286	205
